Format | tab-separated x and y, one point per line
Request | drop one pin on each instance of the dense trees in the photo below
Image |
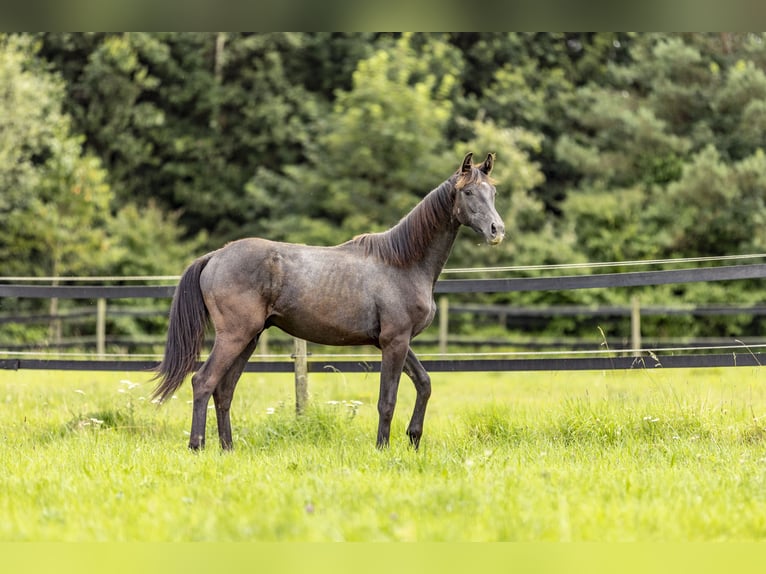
58	212
129	153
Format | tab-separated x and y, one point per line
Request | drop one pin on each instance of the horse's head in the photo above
475	199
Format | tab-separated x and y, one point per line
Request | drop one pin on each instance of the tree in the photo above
378	152
54	200
185	120
715	208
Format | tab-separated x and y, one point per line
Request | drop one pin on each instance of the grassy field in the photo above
661	455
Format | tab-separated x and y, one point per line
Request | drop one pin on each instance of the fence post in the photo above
263	342
635	326
443	323
100	326
54	327
301	375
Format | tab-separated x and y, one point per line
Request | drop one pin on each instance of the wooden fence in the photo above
95	317
302	364
101	294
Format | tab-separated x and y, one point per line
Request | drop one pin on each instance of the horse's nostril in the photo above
493	229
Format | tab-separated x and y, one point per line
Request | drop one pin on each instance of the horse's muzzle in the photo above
496	233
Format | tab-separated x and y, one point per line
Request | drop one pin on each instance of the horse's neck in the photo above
441	237
442	245
422	240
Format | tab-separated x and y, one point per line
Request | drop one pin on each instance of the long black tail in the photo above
186	332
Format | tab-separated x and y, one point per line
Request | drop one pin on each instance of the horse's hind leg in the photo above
422	381
212	373
224	392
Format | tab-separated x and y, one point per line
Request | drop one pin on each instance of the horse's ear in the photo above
488	164
467	164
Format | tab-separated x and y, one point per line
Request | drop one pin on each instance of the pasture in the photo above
653	455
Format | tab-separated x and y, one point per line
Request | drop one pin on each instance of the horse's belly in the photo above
327	330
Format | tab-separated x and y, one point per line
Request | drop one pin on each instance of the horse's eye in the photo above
468	191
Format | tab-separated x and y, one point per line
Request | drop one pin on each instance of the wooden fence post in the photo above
263	342
635	326
443	323
55	325
100	326
301	375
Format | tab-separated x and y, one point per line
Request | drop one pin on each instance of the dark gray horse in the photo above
376	289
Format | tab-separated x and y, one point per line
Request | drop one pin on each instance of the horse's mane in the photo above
408	241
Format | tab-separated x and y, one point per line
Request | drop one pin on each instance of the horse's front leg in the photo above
392	363
422	381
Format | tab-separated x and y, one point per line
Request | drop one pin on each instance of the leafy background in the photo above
131	153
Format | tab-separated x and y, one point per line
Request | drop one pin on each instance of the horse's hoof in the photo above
414	440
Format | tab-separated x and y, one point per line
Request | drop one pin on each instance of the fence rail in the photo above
745	358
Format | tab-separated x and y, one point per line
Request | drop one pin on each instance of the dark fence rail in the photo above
744	358
603	310
88	291
603	280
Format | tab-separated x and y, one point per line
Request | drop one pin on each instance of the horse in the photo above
376	289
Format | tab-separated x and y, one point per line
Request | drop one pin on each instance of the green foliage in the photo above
135	235
54	200
381	148
57	204
58	213
609	224
131	152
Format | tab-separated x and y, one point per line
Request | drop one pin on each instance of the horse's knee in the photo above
386	411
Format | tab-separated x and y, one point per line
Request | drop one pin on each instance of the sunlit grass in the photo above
597	456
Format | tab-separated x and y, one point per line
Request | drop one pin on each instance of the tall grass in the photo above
615	456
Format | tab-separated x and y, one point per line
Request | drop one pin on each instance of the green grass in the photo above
661	455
